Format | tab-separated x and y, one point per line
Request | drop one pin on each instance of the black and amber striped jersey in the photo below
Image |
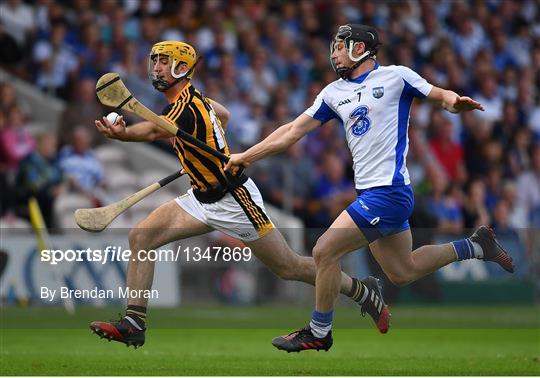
192	113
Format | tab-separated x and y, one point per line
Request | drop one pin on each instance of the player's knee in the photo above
135	238
322	255
399	279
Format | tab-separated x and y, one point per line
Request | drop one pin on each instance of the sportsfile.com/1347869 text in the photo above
117	253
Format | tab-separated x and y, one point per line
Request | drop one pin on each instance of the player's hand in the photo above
464	104
116	131
236	163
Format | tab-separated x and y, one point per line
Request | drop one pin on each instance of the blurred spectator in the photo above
10	54
528	191
528	206
292	181
501	219
419	159
56	63
518	152
534	119
508	84
228	76
444	202
15	141
248	131
6	187
521	42
128	64
475	212
333	191
493	155
83	109
87	45
8	99
4	258
505	129
40	176
80	165
477	137
100	62
149	27
46	11
142	7
509	195
258	78
494	186
223	43
327	138
502	58
246	122
489	98
448	153
18	21
469	36
526	92
432	32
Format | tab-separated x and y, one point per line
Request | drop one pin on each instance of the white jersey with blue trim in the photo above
374	109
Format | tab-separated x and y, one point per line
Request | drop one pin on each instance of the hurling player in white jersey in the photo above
373	102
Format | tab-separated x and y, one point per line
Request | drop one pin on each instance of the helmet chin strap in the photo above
345	72
162	85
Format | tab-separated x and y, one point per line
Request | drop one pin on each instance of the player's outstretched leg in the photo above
492	250
303	339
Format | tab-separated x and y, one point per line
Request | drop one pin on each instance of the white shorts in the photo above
239	213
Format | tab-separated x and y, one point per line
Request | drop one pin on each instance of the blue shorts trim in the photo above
382	211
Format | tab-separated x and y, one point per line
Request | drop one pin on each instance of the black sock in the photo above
358	290
136	314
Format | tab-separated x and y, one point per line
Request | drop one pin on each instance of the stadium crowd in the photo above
266	61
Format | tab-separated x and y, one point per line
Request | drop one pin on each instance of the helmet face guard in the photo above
159	82
350	35
171	54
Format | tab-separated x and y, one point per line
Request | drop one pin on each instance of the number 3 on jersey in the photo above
361	123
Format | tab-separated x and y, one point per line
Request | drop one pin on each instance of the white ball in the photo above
113	117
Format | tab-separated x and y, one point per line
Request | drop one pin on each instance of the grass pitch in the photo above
236	341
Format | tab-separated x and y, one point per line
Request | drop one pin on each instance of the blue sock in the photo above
321	323
464	249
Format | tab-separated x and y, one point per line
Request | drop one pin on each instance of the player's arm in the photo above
452	102
139	132
278	141
222	113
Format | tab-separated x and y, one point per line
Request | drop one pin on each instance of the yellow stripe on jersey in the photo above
175	111
192	113
255	214
197	179
254	211
267	224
